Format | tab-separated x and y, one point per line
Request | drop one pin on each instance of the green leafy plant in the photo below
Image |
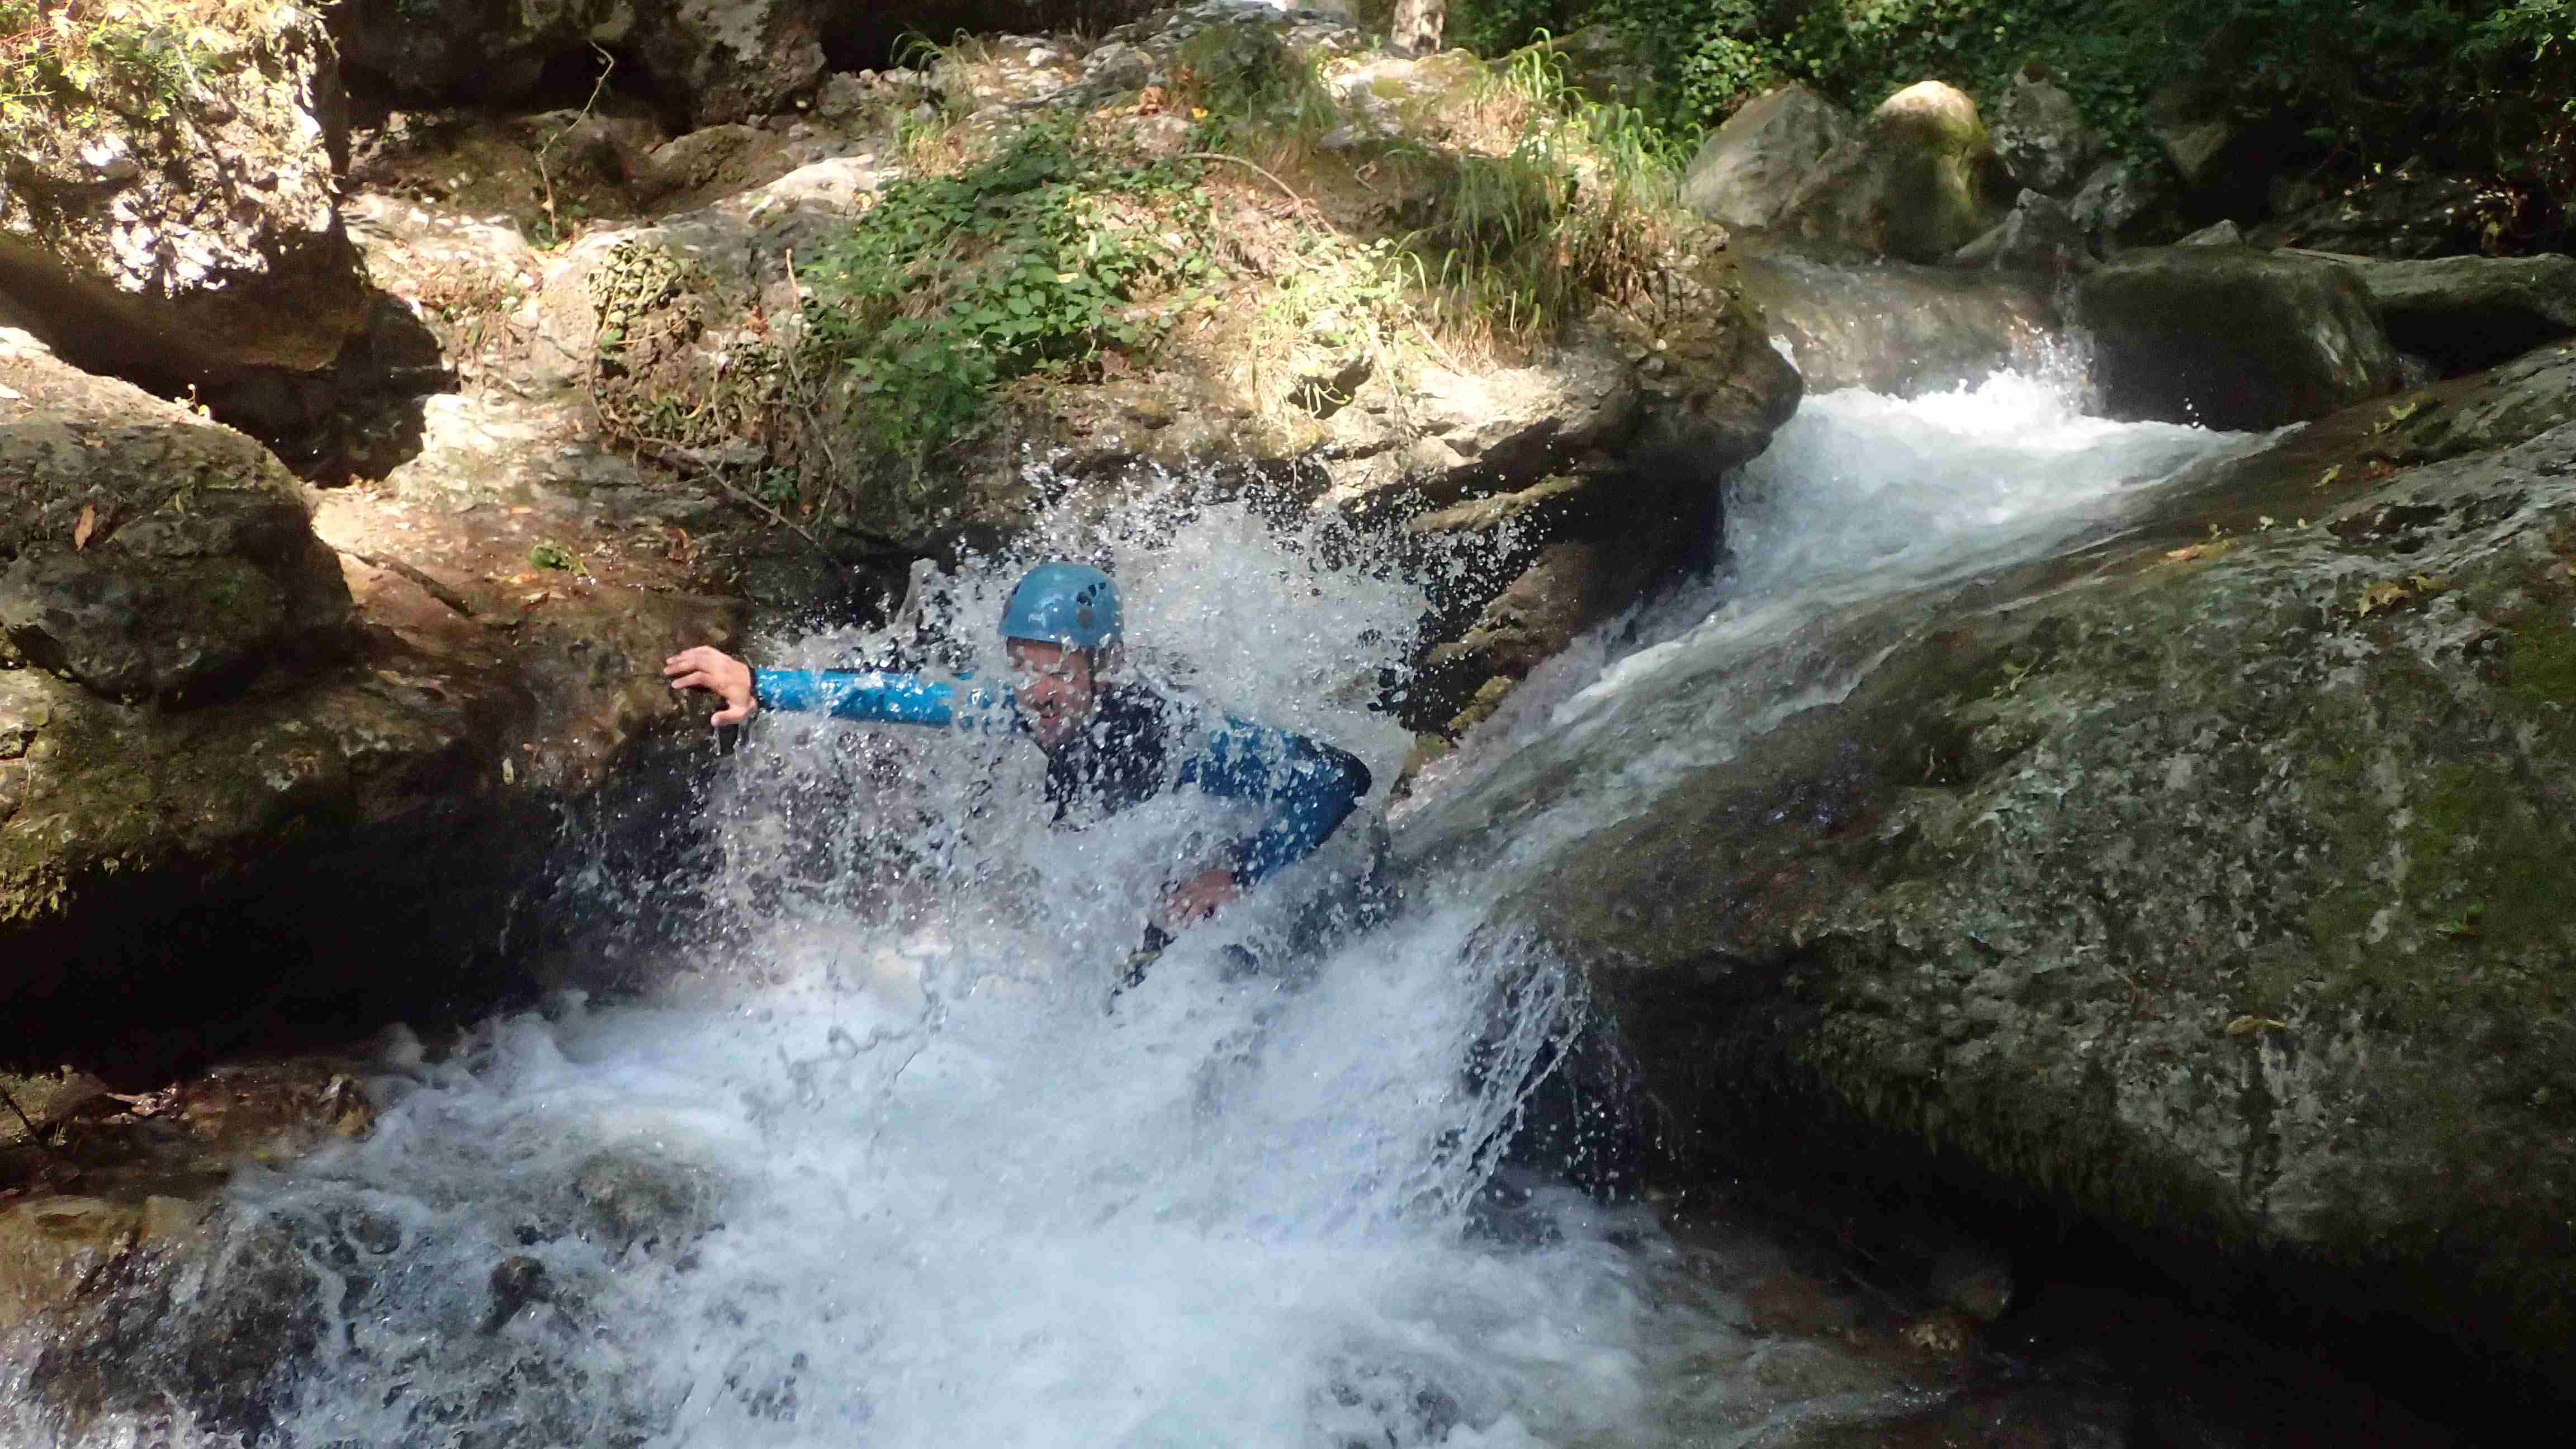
952	285
2345	85
74	65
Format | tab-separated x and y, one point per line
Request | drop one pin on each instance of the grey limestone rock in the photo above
1749	168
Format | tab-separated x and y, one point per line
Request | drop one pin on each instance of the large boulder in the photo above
2213	891
331	793
185	233
145	552
2229	337
1920	181
2465	313
1749	168
2042	136
715	60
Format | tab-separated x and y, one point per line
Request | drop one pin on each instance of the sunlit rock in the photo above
185	233
1918	182
1751	166
153	554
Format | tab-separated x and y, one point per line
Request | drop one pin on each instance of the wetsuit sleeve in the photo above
875	697
1311	789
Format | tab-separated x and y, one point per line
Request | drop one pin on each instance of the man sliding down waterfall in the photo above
1109	744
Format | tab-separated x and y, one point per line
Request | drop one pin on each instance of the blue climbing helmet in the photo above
1070	604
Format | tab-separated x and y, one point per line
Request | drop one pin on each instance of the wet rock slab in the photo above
2231	337
2208	885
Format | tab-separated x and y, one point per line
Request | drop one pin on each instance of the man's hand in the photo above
719	674
1188	902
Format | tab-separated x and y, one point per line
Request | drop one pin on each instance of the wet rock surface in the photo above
2230	337
638	1200
1898	329
113	1179
2204	886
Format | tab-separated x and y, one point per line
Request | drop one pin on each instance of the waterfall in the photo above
878	1161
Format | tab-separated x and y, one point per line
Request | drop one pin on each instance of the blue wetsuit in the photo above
1126	755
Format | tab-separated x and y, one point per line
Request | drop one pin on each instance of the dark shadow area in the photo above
317	946
2213	1346
359	418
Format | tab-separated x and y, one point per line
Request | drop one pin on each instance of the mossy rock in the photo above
2218	897
147	553
1920	181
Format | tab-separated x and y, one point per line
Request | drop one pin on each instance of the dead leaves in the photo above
2400	412
83	530
2250	1025
2387	596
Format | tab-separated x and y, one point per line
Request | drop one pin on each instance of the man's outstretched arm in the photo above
866	696
869	696
1310	787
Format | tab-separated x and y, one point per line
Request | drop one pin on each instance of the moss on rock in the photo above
2218	897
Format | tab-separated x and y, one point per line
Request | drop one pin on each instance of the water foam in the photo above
1860	498
876	1165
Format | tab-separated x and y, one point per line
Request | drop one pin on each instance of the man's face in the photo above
1054	687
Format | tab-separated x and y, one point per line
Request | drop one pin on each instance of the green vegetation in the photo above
1027	260
1501	208
2482	86
1575	202
69	65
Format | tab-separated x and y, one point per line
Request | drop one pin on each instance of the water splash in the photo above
874	1165
1859	499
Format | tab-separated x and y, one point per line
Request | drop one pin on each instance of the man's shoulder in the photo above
1140	703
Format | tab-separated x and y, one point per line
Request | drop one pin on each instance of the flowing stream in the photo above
879	1163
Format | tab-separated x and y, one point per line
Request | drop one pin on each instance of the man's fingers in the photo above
699	680
735	714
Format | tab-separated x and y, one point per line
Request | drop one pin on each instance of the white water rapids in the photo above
875	1166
